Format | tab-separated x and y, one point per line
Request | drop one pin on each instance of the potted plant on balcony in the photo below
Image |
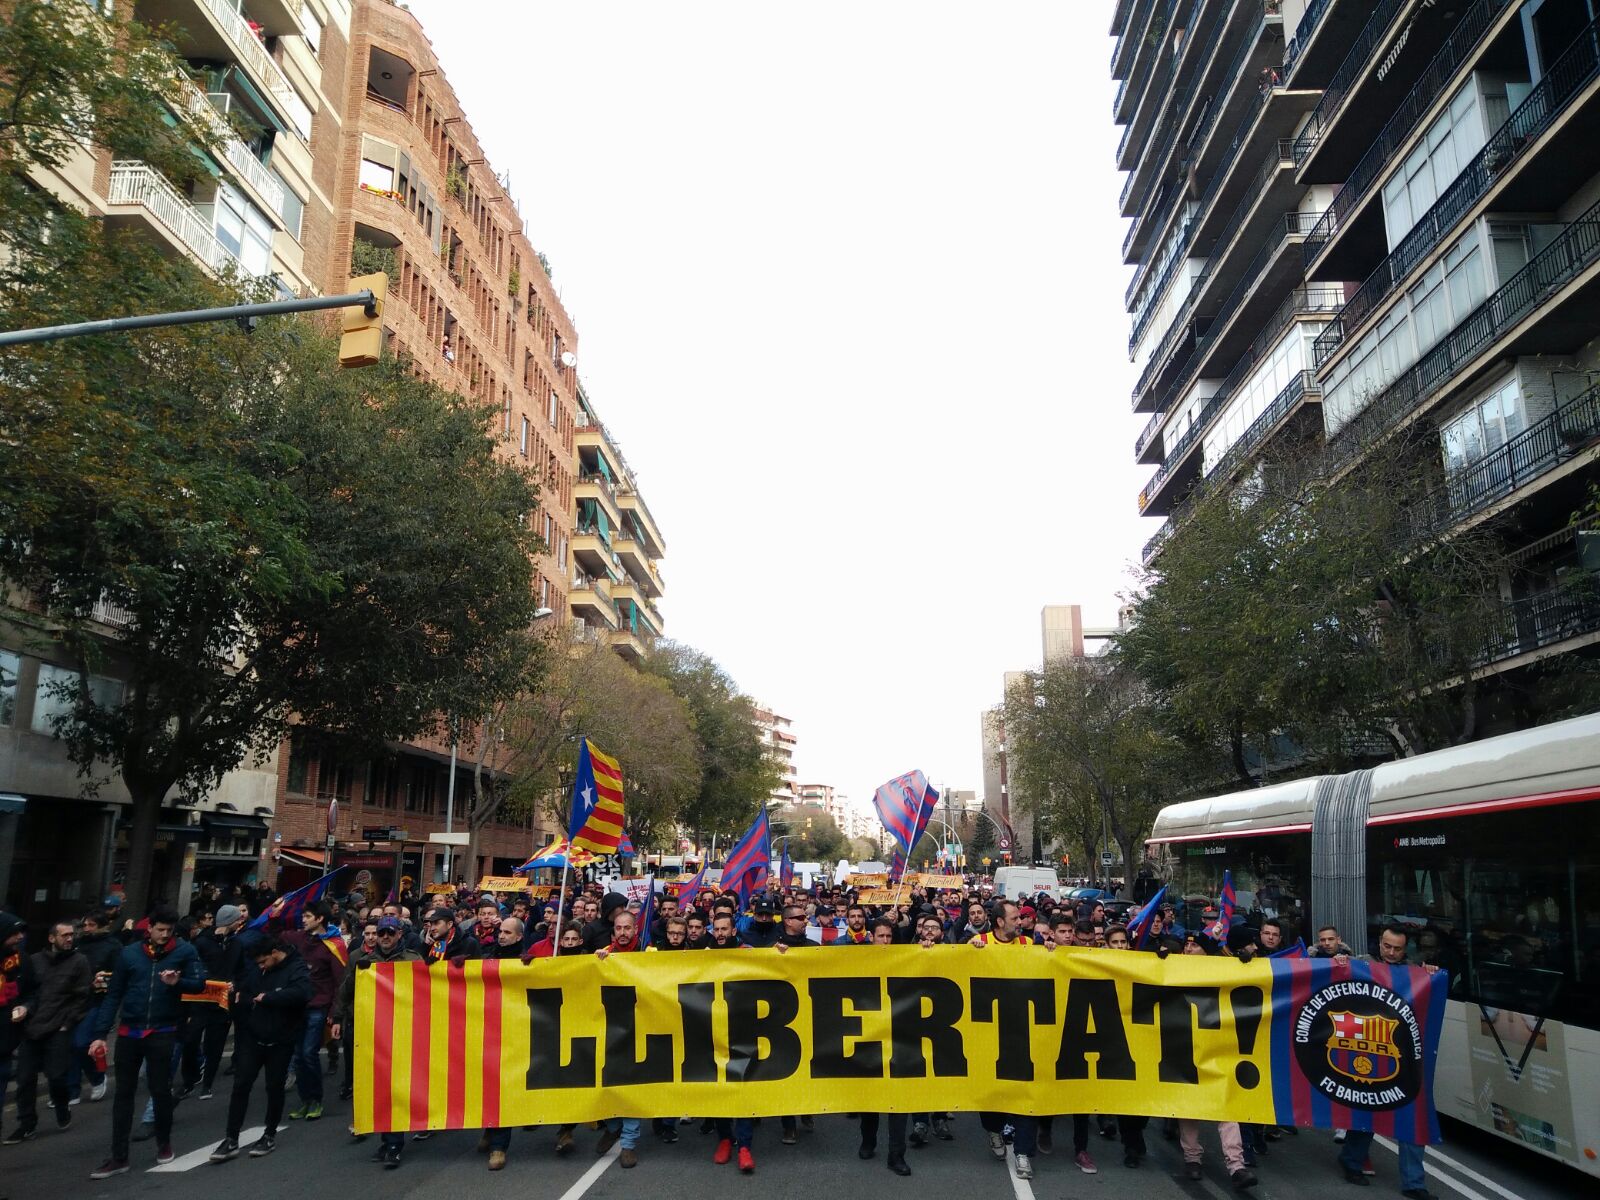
455	183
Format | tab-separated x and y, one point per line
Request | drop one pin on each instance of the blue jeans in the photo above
81	1063
308	1058
1413	1173
629	1128
738	1130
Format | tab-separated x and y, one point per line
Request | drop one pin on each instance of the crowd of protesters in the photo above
165	997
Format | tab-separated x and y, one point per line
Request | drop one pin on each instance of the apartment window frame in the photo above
527	435
1484	425
49	700
251	242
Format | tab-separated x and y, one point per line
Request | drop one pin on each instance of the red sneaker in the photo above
747	1161
724	1152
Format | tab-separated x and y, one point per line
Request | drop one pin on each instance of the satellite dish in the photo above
568	359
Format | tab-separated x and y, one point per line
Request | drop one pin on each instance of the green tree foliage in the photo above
1083	738
584	689
1312	621
737	776
283	537
814	836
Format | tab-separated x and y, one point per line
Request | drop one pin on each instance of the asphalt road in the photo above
321	1160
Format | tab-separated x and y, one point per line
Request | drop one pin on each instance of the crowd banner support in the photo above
1309	1042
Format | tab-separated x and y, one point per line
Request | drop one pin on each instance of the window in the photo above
1455	136
526	429
56	692
311	29
1484	427
243	229
9	664
293	210
555	408
299	768
561	553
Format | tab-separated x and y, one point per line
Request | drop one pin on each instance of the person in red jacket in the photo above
321	946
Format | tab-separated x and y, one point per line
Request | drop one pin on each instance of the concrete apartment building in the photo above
616	545
364	157
778	738
265	208
1349	220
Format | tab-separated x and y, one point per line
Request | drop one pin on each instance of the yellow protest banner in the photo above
502	883
930	880
867	881
1006	1028
899	894
438	889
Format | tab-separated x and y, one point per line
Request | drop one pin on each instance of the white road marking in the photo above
1435	1154
1019	1185
588	1178
196	1158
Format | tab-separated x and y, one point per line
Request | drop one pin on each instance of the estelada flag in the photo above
596	823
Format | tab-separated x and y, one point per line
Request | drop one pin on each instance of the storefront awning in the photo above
233	823
303	857
178	833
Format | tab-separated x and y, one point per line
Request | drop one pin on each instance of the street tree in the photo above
813	836
737	775
279	541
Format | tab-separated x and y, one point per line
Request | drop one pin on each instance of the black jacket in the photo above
761	934
60	994
223	957
279	1017
101	949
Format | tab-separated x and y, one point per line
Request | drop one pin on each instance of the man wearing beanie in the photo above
221	951
598	933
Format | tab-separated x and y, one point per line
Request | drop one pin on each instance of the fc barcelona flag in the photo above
596	823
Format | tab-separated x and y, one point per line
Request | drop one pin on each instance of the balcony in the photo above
1518	165
637	563
1559	287
1484	20
1544	621
140	187
1298	393
596	487
590	600
214	30
598	439
1392	51
1119	17
630	501
261	182
1527	459
1150	91
594	554
1152	546
628	644
627	592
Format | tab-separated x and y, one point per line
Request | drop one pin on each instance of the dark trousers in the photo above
152	1055
1080	1131
204	1036
737	1130
1024	1130
897	1132
250	1059
499	1138
81	1063
1131	1131
347	1058
53	1056
308	1059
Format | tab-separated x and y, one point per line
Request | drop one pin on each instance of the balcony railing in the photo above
249	167
1147	435
1156	542
1532	453
1461	45
1301	385
254	56
134	182
1355	61
1544	105
1303	33
1543	619
1574	251
1168	64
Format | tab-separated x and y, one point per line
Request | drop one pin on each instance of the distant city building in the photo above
778	739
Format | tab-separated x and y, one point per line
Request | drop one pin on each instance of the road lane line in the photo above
195	1158
588	1178
1435	1153
1019	1186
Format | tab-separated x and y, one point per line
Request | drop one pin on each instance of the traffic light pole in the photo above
367	300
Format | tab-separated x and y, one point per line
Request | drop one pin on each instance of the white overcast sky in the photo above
848	290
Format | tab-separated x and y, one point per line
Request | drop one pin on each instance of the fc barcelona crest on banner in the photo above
1361	1047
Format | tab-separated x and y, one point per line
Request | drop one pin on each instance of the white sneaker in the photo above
74	1102
997	1145
1338	1135
97	1092
1024	1167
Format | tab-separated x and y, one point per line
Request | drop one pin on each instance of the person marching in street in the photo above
508	945
97	944
16	976
732	1132
1354	1157
624	940
60	991
221	950
391	948
1005	933
793	936
145	990
1227	1131
320	945
883	934
1130	1129
271	1002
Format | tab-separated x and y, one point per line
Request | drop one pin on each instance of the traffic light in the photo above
361	343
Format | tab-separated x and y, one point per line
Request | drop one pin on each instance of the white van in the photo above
1013	883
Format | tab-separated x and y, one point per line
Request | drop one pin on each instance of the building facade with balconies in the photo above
779	741
262	208
1379	217
472	305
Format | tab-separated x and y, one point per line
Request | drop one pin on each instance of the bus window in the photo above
1271	876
